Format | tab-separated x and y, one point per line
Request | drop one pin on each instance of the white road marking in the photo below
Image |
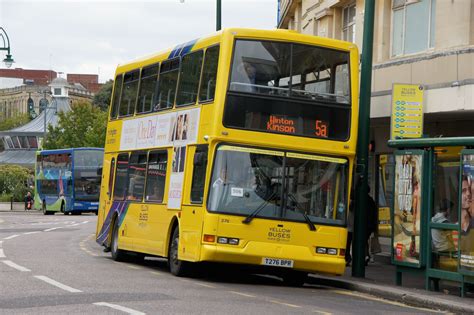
15	266
243	294
205	285
52	229
10	237
2	254
133	267
1	242
286	304
120	308
33	232
57	284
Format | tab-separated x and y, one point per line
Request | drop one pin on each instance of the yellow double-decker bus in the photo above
233	148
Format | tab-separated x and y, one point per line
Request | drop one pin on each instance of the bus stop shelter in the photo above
432	219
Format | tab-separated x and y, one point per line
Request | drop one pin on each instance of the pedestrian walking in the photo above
28	201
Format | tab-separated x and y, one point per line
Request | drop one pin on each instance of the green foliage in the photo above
13	182
14	122
84	126
102	97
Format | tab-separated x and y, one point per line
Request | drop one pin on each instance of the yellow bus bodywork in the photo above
147	227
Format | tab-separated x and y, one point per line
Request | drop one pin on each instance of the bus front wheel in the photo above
117	254
45	212
177	267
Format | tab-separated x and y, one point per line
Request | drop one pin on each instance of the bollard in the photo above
11	203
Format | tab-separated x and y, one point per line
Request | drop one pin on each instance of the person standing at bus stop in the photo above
371	223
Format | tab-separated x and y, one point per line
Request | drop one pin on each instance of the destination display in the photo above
291	118
286	124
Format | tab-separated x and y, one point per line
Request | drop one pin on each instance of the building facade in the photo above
20	85
426	42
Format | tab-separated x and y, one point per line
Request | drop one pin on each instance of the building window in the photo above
57	91
348	23
412	26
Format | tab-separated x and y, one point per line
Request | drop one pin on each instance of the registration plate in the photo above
277	262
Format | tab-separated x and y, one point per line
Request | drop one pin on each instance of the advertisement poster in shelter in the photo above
466	237
407	208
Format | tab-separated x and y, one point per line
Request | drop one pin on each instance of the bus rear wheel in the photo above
177	267
117	254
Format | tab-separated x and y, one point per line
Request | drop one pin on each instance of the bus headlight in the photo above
228	240
321	250
332	251
222	240
233	241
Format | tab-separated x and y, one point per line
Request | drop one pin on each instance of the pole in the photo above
218	14
360	215
44	125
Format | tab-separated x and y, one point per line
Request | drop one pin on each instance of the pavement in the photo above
380	282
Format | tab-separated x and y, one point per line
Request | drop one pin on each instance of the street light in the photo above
6	46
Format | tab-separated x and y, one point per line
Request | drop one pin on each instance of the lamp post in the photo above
218	13
43	106
6	46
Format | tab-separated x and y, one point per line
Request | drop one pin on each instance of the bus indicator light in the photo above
209	238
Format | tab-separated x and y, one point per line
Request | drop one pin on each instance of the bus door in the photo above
106	186
192	210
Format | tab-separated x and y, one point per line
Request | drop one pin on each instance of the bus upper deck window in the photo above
189	78
129	93
116	97
147	94
209	75
168	81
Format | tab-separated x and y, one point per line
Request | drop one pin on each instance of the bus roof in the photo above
212	39
68	150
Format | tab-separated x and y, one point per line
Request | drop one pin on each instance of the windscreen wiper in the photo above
250	217
305	216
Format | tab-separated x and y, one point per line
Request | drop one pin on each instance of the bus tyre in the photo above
295	278
117	254
43	207
178	267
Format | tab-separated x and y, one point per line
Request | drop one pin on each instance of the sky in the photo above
93	37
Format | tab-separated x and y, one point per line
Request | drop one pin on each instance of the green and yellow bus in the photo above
233	148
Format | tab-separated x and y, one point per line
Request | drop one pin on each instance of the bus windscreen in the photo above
86	178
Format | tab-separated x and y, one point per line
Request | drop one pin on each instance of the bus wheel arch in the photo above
173	225
177	267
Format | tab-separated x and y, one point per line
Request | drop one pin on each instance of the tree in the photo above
84	126
103	96
14	122
13	182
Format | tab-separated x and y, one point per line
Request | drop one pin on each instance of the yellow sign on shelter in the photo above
407	111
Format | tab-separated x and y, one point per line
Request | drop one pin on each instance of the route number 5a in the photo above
321	129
